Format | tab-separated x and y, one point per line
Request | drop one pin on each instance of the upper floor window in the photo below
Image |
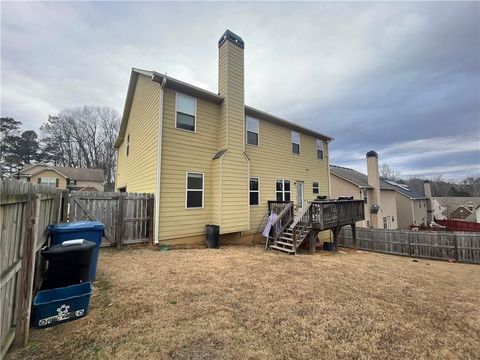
316	188
254	191
194	196
320	149
295	142
185	112
252	131
283	190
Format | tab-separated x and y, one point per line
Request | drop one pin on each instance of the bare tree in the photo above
83	137
388	173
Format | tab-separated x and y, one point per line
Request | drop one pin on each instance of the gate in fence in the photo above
458	246
128	217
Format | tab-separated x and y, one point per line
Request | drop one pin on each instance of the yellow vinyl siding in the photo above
183	152
137	171
273	159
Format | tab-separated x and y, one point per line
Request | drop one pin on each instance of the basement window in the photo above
295	142
315	188
194	191
319	149
252	131
283	190
254	191
186	112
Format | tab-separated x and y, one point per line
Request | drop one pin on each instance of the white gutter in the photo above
159	163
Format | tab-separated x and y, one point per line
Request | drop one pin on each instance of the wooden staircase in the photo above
291	236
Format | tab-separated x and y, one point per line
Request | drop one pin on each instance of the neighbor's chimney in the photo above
374	181
231	85
427	189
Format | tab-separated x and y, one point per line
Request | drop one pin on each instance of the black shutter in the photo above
39	180
57	181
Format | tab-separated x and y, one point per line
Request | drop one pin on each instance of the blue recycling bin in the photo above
55	306
88	230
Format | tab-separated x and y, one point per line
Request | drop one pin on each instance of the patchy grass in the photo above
239	303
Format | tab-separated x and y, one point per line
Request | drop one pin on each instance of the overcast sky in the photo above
399	78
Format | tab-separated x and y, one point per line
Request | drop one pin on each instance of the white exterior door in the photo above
299	188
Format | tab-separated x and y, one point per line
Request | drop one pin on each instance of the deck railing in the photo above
330	214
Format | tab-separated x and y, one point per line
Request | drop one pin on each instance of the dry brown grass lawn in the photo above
244	303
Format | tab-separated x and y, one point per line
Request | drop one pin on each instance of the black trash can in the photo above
213	236
68	264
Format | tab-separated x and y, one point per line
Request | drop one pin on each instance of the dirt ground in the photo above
245	303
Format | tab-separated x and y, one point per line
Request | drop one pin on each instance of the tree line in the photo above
468	187
76	137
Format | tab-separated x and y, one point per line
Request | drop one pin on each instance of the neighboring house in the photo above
63	177
380	206
459	208
413	208
209	158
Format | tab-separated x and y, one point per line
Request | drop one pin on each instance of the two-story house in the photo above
209	158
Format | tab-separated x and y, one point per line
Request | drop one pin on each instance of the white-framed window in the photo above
253	131
385	222
315	187
295	142
320	148
254	187
194	190
282	190
186	109
48	181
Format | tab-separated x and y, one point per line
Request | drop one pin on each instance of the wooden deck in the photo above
290	230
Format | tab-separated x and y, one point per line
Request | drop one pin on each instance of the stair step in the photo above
284	243
285	238
290	251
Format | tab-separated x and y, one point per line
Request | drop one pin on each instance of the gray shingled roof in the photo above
406	190
356	177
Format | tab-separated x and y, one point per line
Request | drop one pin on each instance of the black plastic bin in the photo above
68	265
213	236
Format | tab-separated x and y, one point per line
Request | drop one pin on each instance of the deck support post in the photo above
354	236
312	238
335	230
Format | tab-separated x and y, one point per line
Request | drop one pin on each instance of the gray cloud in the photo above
400	78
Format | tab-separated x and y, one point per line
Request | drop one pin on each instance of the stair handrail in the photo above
295	223
287	209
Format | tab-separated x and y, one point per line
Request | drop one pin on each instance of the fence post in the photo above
65	201
455	242
354	236
119	228
27	270
409	244
150	215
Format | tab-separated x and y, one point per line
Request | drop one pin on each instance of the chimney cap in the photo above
232	37
372	154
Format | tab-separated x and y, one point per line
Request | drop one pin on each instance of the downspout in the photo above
328	171
159	162
413	212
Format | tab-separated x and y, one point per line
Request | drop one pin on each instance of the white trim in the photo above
194	115
187	189
303	193
318	188
257	191
322	143
159	162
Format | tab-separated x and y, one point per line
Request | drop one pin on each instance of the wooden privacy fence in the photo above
25	212
459	246
128	217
